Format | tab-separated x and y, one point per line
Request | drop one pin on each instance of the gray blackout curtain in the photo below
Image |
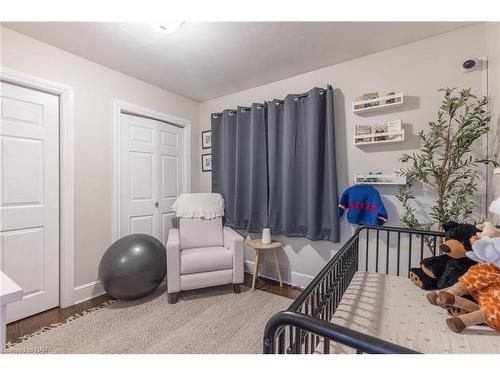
274	164
239	165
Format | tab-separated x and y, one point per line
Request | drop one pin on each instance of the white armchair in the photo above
203	253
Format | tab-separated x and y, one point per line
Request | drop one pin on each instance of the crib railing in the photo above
306	323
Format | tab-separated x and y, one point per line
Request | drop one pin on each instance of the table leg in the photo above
256	271
277	267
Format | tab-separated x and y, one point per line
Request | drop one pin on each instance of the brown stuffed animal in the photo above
482	281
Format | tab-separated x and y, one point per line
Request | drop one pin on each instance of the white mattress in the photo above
394	309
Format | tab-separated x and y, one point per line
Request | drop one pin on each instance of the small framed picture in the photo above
206	139
206	162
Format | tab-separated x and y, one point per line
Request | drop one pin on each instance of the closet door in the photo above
151	175
170	174
139	177
29	197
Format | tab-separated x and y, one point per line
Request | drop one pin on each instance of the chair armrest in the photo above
173	261
234	242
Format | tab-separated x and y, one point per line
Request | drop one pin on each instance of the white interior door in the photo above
29	197
150	175
169	174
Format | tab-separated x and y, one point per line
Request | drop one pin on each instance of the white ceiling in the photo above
207	60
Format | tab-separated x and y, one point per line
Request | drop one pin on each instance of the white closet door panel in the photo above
143	224
170	173
141	175
24	256
26	131
25	112
150	175
29	216
29	198
169	168
141	134
138	178
22	171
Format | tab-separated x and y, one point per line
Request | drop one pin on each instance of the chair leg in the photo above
237	288
172	297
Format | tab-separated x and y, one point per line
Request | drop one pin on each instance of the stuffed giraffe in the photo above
482	282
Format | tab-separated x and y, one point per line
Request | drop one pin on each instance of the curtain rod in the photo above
299	96
276	101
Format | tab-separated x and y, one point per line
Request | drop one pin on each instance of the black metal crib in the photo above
306	323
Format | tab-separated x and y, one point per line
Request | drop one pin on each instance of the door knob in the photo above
157	204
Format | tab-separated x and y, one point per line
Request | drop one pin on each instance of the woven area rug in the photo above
211	320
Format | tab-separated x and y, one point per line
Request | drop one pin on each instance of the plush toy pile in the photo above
482	282
442	271
469	267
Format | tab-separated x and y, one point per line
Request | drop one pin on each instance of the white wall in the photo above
419	69
95	87
493	53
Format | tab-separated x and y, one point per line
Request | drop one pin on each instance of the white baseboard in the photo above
87	291
94	289
267	270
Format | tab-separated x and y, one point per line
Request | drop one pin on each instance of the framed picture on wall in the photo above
206	162
206	139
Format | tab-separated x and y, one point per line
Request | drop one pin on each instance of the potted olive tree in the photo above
447	163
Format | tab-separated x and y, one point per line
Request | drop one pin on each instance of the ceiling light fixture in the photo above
166	27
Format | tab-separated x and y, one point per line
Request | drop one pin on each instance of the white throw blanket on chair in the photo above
200	205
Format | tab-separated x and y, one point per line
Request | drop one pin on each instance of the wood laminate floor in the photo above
28	325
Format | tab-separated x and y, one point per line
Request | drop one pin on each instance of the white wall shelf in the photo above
377	103
379	179
399	137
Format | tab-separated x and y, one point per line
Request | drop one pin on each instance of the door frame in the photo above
119	108
66	174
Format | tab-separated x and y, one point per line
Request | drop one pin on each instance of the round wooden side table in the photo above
259	246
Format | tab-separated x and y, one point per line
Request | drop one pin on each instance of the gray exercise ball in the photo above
133	266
